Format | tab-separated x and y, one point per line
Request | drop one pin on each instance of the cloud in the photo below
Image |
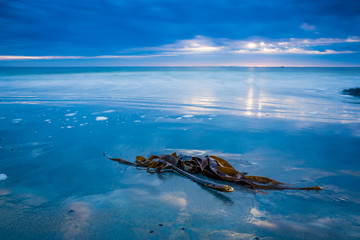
83	28
198	45
307	27
201	45
290	46
206	45
321	41
11	57
291	51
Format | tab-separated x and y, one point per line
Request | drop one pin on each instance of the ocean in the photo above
289	124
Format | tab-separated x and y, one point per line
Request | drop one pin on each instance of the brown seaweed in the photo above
210	166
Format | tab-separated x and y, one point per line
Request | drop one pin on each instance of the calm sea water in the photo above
290	124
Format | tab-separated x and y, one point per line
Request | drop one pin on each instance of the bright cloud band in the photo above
204	45
13	57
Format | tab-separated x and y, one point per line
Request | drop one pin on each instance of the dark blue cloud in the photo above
102	27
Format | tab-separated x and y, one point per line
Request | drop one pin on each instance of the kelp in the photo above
210	166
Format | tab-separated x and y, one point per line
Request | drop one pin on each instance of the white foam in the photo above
69	126
137	121
101	118
17	120
3	176
108	111
188	116
70	114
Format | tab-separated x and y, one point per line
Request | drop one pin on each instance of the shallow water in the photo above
290	124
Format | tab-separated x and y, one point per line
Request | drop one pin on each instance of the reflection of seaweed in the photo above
210	166
224	198
352	91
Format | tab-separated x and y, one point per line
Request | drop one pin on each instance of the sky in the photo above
180	33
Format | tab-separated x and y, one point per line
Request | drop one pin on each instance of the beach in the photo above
289	124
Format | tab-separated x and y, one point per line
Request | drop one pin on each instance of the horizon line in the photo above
244	66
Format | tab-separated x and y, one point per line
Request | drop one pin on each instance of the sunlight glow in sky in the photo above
179	33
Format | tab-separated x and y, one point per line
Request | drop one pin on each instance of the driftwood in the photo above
209	166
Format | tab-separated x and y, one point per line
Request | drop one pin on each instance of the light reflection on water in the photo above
279	123
275	93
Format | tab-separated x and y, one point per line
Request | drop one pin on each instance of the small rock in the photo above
3	176
151	231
